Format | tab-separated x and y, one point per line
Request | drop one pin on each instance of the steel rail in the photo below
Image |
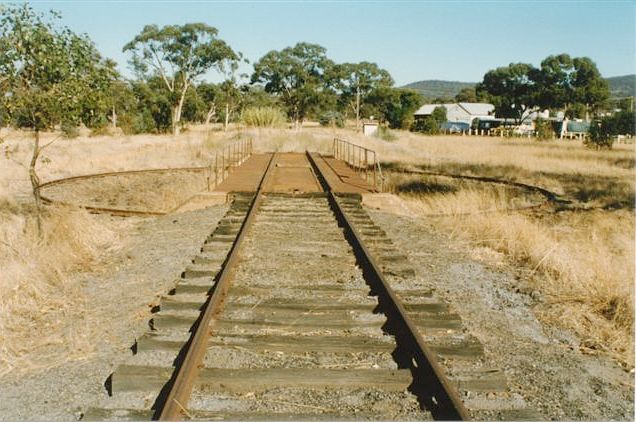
178	390
444	401
120	212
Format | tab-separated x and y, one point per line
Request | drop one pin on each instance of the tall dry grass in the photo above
580	264
43	312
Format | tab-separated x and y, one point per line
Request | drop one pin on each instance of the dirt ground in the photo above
124	290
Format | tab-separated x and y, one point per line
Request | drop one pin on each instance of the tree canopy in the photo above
560	83
49	74
355	81
296	75
178	54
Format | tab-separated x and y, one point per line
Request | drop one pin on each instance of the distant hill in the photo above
620	86
439	89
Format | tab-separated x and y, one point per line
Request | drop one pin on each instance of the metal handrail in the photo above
361	160
231	156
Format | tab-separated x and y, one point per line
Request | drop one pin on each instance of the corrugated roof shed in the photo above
427	109
478	109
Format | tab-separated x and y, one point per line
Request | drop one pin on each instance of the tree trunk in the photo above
227	116
358	108
211	113
176	118
114	118
35	182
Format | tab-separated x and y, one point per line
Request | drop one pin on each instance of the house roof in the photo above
427	109
473	109
478	109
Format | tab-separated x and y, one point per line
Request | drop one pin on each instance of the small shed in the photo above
370	127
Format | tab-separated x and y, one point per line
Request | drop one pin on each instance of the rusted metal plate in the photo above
292	173
247	176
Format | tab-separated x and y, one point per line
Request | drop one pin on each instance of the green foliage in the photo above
355	81
431	124
510	89
48	73
467	95
296	75
69	130
154	108
543	129
332	118
177	55
263	117
395	105
256	96
604	130
561	82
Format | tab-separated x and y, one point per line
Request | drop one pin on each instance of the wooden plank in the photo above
303	344
151	378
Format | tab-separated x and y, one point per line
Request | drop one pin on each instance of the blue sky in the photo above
413	40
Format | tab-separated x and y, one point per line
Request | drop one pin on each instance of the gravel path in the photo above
543	364
122	293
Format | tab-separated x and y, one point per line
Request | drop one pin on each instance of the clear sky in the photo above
413	40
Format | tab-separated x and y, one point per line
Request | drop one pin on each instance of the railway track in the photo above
299	306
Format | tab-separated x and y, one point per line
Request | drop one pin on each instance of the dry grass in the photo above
43	315
583	262
580	261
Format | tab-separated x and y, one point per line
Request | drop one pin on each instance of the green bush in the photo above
603	130
136	122
431	124
70	130
331	118
263	117
543	129
385	134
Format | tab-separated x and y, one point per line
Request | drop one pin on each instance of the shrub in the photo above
263	117
69	130
431	124
101	131
603	130
385	134
331	118
543	129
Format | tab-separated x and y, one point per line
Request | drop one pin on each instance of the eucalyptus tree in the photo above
178	54
511	89
355	81
297	76
49	75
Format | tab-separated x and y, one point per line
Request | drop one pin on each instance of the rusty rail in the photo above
361	160
442	398
230	157
180	386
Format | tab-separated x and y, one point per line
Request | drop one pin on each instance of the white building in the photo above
460	112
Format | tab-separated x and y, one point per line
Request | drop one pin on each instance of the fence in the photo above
362	160
231	156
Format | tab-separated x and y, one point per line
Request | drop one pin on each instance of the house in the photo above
460	112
